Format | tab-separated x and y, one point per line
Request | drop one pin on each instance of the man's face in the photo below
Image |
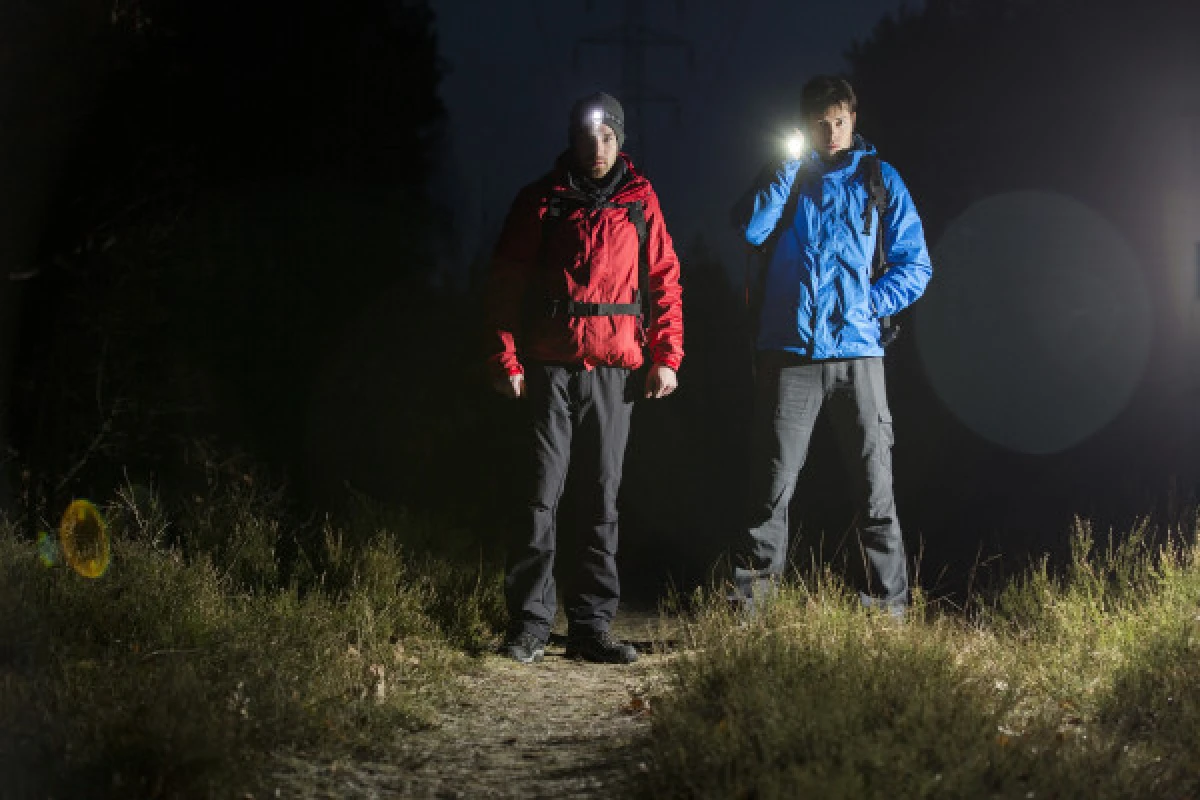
596	150
832	133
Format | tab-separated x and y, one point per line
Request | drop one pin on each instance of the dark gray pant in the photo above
580	419
790	393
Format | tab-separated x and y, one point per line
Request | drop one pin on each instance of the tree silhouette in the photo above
1094	100
253	177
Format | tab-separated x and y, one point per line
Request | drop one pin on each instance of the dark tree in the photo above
1093	100
252	178
54	57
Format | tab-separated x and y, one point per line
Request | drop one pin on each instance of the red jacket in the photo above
591	257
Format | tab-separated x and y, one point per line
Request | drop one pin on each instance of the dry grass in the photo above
193	666
176	672
1083	685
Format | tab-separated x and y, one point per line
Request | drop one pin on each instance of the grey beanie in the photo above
594	108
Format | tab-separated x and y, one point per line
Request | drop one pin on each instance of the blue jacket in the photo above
818	300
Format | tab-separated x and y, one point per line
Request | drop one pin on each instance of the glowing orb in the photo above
84	539
793	144
1036	328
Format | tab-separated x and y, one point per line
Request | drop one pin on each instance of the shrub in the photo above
1079	684
178	671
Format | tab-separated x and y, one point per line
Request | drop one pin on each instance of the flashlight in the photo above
794	144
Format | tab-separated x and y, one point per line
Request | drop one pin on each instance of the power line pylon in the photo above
636	38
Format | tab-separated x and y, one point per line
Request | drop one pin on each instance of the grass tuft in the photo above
181	669
1079	684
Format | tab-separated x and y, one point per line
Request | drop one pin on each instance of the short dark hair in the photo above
825	92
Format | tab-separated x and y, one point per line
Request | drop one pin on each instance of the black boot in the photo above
601	647
525	647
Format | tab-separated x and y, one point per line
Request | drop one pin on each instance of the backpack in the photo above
877	200
559	206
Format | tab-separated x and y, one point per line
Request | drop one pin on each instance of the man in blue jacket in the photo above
819	309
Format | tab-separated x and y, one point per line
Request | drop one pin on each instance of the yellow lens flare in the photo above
83	537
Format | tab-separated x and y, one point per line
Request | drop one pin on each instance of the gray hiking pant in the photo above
578	419
790	393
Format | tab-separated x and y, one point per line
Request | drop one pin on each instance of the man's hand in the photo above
660	381
511	386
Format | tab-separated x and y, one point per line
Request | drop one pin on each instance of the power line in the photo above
635	39
730	38
539	24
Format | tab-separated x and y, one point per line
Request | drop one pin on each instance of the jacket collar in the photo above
846	164
634	183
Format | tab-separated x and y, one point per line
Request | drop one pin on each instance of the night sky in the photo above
512	77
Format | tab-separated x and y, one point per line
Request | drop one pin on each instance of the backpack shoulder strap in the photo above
554	207
557	209
559	206
877	200
877	194
636	209
637	216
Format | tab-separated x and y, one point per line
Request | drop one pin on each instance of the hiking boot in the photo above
525	647
601	647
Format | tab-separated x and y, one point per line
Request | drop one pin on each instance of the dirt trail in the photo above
556	729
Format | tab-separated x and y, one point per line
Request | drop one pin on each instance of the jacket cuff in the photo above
506	364
671	360
874	303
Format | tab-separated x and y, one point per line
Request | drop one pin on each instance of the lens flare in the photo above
83	537
47	550
1037	325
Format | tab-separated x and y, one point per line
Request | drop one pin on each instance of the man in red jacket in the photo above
583	278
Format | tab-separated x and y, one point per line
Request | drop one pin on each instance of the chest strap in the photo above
558	207
571	308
